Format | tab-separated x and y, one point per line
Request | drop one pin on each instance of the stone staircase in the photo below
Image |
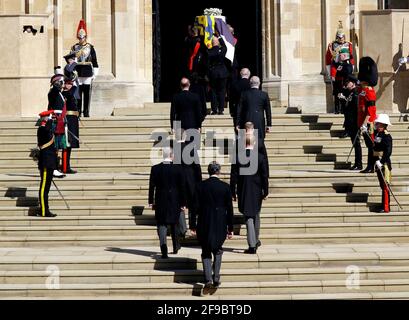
318	226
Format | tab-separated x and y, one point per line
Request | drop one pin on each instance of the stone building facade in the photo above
295	34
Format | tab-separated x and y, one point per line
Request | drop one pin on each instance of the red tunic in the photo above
332	61
366	104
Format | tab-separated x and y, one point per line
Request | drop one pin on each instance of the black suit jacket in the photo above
186	108
255	107
215	213
216	61
237	89
250	189
167	192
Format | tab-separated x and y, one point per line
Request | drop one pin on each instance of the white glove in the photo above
328	70
403	60
378	164
364	129
341	96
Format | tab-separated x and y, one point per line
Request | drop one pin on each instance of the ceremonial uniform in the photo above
47	161
382	151
339	57
218	74
351	122
87	68
368	75
72	118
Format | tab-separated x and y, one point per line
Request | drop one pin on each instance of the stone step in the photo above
349	189
146	230
227	288
196	276
280	238
274	199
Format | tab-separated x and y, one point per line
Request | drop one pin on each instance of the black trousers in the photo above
357	147
369	145
46	180
218	94
85	99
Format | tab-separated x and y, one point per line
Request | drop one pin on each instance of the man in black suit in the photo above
249	184
186	108
167	197
238	87
215	222
218	74
255	107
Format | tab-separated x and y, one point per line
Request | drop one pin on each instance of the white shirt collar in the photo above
167	160
215	176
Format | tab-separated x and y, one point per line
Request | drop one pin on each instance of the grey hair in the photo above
167	152
255	82
245	73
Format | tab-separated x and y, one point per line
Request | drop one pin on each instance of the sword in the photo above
389	188
353	145
79	141
66	203
403	38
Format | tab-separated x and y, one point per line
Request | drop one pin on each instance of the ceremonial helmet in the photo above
384	119
340	36
82	32
368	71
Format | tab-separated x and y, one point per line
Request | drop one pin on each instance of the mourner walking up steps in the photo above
215	222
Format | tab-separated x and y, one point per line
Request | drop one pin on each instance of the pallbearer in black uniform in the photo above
215	222
382	154
167	196
47	161
218	74
249	184
72	123
87	68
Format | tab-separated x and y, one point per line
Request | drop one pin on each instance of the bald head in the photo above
185	84
245	73
255	82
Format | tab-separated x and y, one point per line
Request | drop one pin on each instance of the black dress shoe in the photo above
70	171
258	245
250	251
50	215
368	170
213	113
355	168
176	250
217	284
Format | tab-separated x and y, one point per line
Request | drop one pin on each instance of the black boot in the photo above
250	251
164	250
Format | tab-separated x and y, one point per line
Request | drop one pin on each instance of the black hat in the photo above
214	168
69	56
352	78
368	71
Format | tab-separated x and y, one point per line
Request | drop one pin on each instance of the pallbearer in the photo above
382	154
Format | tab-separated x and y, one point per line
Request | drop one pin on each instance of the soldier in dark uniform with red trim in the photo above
72	118
382	152
47	161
